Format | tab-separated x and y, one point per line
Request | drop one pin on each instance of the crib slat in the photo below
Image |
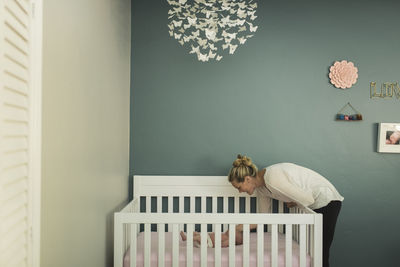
288	244
217	250
170	210
318	240
236	204
189	245
203	245
181	210
298	232
280	207
260	245
127	235
181	204
118	239
159	204
170	204
192	204
159	210
307	239
274	245
203	204
280	210
225	210
148	204
147	245
271	203
232	234
226	202
133	247
295	233
175	245
311	241
214	209
246	242
247	199
302	245
161	244
214	204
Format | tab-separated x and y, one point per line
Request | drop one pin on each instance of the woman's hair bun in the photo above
242	167
242	161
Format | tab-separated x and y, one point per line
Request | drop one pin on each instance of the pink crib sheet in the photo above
210	252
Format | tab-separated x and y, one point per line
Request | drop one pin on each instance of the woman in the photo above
292	184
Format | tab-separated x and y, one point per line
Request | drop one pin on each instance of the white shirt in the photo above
289	182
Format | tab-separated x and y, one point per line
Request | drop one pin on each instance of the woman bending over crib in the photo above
211	239
293	184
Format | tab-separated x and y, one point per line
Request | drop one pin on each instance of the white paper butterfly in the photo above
210	28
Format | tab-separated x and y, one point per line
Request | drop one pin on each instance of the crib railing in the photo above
195	204
304	226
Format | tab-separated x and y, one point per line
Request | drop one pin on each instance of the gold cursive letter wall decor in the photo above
388	90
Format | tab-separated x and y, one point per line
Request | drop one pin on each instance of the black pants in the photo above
330	213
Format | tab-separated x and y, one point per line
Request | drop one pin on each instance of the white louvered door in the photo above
20	93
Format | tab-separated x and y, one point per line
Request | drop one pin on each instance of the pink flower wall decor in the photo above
343	74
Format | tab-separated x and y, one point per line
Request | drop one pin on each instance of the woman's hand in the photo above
291	204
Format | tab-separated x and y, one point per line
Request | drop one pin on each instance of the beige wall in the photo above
86	78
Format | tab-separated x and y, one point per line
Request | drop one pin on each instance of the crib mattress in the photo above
210	252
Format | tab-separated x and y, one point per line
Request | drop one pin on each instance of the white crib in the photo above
165	205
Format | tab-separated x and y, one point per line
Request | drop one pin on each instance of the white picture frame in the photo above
389	137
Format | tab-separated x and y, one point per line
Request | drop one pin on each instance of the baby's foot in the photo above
183	236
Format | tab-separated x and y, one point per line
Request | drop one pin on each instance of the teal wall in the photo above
272	100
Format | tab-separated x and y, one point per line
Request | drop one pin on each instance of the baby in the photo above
393	138
211	239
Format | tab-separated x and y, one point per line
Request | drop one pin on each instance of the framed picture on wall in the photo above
389	137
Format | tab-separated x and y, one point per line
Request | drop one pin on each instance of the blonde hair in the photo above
242	167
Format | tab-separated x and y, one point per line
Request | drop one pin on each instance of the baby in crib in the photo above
211	239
